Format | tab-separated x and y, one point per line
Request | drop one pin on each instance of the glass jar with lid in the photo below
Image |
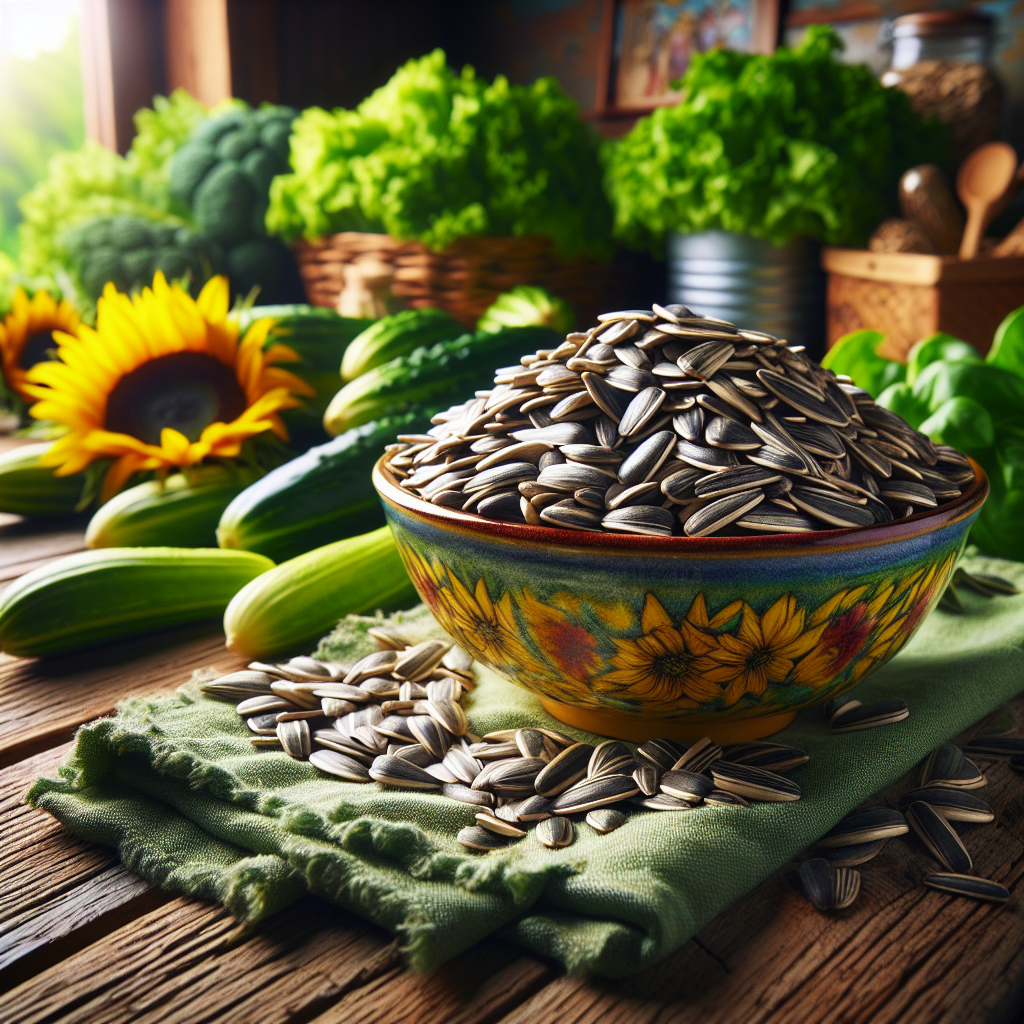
961	35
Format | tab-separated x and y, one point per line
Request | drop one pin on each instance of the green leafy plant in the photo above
796	143
949	392
436	156
94	182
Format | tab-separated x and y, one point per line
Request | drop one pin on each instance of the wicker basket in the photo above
463	279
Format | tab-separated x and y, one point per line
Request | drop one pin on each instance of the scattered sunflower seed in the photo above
556	832
968	885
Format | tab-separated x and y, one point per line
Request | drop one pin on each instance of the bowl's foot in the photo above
629	727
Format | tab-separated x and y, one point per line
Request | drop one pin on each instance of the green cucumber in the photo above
94	597
397	335
29	489
181	511
443	374
290	607
322	496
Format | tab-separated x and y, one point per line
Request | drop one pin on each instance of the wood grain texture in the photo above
42	702
59	893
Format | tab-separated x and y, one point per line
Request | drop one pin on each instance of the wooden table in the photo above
83	940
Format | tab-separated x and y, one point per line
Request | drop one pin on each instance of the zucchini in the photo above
93	597
28	489
397	335
290	607
320	337
322	496
445	373
181	511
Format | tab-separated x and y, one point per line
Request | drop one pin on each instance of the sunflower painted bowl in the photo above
683	637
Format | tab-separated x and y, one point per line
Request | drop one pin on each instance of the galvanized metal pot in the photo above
752	283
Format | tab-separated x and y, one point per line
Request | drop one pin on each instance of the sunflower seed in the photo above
776	757
663	802
816	880
950	803
731	481
465	795
706	359
556	832
720	513
436	738
720	798
704	457
295	738
562	771
591	793
661	753
686	785
907	490
947	766
514	777
647	778
995	746
885	712
852	856
647	458
534	808
641	410
482	839
753	783
604	819
698	756
647	520
612	401
865	825
238	686
572	517
487	820
939	837
831	509
401	773
342	766
771	519
968	885
803	399
573	475
607	758
263	725
263	704
376	664
846	887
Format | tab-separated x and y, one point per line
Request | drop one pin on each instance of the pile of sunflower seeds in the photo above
662	422
934	812
395	717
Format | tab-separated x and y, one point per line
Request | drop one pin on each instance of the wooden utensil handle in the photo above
972	234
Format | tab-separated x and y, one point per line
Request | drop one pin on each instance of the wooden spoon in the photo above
981	183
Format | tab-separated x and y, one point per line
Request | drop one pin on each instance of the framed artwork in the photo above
648	44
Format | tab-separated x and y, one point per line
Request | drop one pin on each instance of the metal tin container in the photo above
752	283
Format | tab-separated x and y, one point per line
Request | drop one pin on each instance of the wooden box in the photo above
907	296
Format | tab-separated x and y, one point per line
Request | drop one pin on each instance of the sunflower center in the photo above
675	665
38	346
186	391
759	657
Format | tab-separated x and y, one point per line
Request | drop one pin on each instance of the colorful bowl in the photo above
636	637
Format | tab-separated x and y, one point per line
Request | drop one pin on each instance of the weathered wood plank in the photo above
58	893
42	702
25	544
901	954
482	984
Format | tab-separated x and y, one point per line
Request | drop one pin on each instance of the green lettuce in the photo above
796	143
436	155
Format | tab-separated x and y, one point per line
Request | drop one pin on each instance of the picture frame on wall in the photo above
648	44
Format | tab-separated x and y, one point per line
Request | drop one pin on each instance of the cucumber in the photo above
322	496
320	336
397	335
94	597
28	489
290	607
181	511
443	374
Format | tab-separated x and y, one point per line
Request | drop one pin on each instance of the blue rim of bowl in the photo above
817	543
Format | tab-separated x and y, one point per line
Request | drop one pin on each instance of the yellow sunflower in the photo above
163	381
26	335
427	575
667	665
485	628
763	651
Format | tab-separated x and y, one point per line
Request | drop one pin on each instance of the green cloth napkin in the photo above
175	786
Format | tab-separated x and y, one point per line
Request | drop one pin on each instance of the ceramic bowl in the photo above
683	637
